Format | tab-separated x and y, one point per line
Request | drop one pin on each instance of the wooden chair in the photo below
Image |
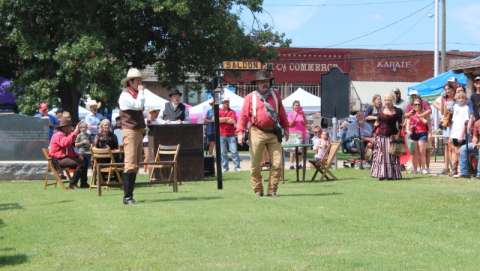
55	170
323	166
105	156
166	158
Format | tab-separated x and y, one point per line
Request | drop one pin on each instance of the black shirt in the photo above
475	98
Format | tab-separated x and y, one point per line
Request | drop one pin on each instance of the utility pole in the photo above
435	52
444	37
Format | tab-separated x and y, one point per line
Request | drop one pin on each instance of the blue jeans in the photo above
232	146
464	163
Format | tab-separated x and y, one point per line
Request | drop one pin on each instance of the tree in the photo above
69	48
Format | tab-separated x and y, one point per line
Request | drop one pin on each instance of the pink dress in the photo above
299	127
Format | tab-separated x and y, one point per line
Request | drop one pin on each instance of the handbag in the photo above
396	147
447	119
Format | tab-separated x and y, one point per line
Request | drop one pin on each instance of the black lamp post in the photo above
218	153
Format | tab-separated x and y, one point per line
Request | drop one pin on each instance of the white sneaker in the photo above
236	169
225	170
425	172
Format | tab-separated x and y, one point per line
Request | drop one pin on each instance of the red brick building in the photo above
371	71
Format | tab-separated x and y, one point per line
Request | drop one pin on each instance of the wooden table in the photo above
304	148
190	138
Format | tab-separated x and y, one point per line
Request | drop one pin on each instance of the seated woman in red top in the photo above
417	124
62	151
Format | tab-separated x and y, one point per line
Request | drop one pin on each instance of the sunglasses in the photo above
416	104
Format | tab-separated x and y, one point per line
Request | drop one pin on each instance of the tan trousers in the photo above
259	141
133	147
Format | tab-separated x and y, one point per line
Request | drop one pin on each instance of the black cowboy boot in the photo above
84	177
132	185
127	190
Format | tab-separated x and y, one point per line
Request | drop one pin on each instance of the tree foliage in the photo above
69	48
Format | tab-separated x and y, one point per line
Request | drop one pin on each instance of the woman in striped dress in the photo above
388	127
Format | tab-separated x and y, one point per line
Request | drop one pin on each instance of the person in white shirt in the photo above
93	118
131	103
461	119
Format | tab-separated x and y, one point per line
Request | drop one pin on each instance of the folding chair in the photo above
55	170
105	156
166	158
323	166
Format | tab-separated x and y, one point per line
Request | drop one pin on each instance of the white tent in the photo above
152	100
309	102
198	112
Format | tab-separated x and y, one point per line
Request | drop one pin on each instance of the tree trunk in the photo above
70	100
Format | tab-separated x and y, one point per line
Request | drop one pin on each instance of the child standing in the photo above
461	115
322	145
82	142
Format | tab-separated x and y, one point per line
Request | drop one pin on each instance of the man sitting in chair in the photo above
62	151
358	132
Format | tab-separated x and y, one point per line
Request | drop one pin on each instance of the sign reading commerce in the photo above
243	65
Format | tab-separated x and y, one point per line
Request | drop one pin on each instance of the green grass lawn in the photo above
355	223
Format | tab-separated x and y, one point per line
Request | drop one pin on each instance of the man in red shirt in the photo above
228	120
61	150
263	109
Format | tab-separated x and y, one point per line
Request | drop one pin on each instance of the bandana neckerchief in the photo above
132	92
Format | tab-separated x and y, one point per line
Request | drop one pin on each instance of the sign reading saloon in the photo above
242	65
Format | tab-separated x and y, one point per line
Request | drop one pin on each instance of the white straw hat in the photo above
132	73
91	103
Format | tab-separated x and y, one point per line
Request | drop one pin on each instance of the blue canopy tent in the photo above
433	87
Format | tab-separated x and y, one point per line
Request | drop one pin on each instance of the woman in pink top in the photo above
297	123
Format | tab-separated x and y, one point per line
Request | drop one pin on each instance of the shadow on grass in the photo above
180	199
311	195
57	202
317	180
9	206
105	193
13	260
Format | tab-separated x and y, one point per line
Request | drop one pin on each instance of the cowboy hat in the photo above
91	103
174	92
64	123
263	76
132	73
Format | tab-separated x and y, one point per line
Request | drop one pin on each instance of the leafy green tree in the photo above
64	49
